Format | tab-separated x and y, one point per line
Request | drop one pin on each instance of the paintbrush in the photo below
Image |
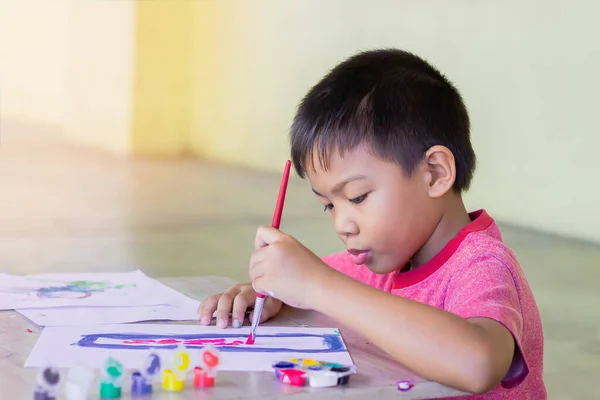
260	297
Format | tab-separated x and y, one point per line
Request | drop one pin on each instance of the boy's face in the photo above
382	216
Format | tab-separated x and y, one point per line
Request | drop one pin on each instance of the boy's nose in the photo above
345	226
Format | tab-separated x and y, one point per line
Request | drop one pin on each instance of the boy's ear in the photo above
441	170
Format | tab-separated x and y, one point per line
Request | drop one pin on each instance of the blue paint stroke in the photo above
53	292
84	288
70	290
333	342
56	292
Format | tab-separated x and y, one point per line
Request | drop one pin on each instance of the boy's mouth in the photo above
359	257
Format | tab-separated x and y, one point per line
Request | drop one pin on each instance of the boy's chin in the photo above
381	267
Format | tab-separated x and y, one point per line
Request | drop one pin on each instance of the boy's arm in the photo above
471	355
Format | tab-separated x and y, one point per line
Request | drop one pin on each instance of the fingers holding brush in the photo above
271	308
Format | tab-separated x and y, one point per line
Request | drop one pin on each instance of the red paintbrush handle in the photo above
281	198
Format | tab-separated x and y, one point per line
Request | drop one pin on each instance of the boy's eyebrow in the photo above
340	185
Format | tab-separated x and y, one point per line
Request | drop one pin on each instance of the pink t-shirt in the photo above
475	275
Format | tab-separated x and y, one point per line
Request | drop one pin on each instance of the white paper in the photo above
81	289
90	346
69	316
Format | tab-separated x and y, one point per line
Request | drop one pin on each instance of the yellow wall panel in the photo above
163	66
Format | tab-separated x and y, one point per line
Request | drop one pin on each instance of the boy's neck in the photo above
454	218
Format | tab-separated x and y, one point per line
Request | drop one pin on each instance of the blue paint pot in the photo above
284	365
140	385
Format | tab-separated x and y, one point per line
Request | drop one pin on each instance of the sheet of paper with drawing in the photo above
131	344
82	289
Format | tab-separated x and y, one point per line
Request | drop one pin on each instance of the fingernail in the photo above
222	323
205	321
237	323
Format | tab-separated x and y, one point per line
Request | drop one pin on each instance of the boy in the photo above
384	141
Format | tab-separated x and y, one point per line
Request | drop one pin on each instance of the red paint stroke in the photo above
29	330
201	342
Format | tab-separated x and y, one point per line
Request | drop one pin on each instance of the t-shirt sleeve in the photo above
489	290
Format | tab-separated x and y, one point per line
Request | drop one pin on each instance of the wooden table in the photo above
376	378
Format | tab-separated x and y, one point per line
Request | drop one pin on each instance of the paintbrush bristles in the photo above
250	339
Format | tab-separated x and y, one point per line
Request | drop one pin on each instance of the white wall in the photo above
34	49
528	71
536	129
100	74
67	64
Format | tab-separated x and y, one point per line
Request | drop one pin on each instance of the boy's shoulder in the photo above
482	240
480	248
477	250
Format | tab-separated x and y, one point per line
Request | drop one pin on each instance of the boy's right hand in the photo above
235	300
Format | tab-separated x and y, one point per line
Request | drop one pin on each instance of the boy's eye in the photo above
359	199
328	207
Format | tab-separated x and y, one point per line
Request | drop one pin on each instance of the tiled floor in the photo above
64	208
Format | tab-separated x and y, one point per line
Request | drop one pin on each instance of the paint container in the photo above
322	379
42	394
294	377
141	382
202	379
140	386
171	382
79	382
152	367
204	374
174	378
108	390
48	379
307	362
110	385
343	373
317	373
281	366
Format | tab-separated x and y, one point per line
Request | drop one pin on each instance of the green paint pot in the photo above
109	391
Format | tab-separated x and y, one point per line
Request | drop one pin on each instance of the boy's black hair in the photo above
391	100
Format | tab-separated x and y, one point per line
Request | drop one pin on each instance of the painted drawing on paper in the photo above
280	342
83	289
68	290
130	344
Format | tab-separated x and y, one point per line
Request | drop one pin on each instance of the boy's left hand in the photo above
283	268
